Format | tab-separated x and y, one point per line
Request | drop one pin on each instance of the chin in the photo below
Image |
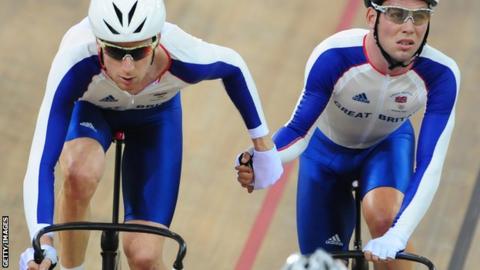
404	57
121	86
125	87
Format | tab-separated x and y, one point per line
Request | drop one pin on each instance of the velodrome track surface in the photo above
217	218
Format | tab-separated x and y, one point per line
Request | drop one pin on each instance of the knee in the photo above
142	258
82	163
379	222
80	183
380	206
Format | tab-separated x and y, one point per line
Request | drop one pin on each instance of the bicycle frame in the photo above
109	241
357	254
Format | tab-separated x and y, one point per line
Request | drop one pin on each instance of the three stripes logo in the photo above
361	98
334	240
108	98
88	125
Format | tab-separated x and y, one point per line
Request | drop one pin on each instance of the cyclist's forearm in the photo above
263	143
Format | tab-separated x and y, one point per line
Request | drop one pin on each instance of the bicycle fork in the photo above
358	263
109	240
109	244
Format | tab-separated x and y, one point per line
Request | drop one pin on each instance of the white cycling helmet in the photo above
126	20
319	260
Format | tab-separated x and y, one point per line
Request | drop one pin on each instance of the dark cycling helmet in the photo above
431	3
392	63
319	260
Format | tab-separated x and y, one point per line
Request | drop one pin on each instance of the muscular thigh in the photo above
390	163
325	209
89	121
83	157
325	206
385	176
151	167
87	139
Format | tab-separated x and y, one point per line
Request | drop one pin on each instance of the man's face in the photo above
401	39
128	68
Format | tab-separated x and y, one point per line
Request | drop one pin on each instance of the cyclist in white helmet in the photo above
122	69
351	122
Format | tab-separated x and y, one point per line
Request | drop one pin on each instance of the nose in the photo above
128	63
408	25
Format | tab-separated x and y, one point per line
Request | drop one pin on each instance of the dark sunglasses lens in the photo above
118	54
139	53
115	53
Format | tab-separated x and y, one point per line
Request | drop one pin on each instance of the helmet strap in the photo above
100	58
392	63
153	57
153	52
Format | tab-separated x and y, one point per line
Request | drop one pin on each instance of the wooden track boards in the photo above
275	38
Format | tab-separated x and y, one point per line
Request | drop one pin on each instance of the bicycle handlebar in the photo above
99	226
400	255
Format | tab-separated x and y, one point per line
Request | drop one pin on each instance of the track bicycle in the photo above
356	254
109	238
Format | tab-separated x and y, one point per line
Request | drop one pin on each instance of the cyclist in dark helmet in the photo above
400	16
351	122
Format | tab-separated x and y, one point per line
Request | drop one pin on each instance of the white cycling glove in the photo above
386	246
267	167
28	255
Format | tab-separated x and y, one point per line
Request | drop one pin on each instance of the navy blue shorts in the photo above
152	157
325	205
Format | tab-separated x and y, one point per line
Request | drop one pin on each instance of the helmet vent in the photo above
139	28
132	11
119	13
111	28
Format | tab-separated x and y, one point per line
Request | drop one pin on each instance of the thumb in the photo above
45	265
245	157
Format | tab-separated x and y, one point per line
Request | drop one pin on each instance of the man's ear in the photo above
100	57
371	17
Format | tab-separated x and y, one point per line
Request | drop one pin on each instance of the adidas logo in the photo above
334	240
108	98
88	125
361	98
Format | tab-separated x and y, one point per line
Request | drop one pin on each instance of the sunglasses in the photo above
118	52
400	15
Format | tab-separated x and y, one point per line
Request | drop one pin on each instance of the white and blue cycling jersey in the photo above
76	75
356	107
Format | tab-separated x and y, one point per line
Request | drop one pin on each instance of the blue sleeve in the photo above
65	85
320	78
436	128
227	65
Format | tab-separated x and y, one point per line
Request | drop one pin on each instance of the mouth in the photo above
406	44
126	80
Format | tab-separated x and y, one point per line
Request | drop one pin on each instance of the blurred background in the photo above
216	217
